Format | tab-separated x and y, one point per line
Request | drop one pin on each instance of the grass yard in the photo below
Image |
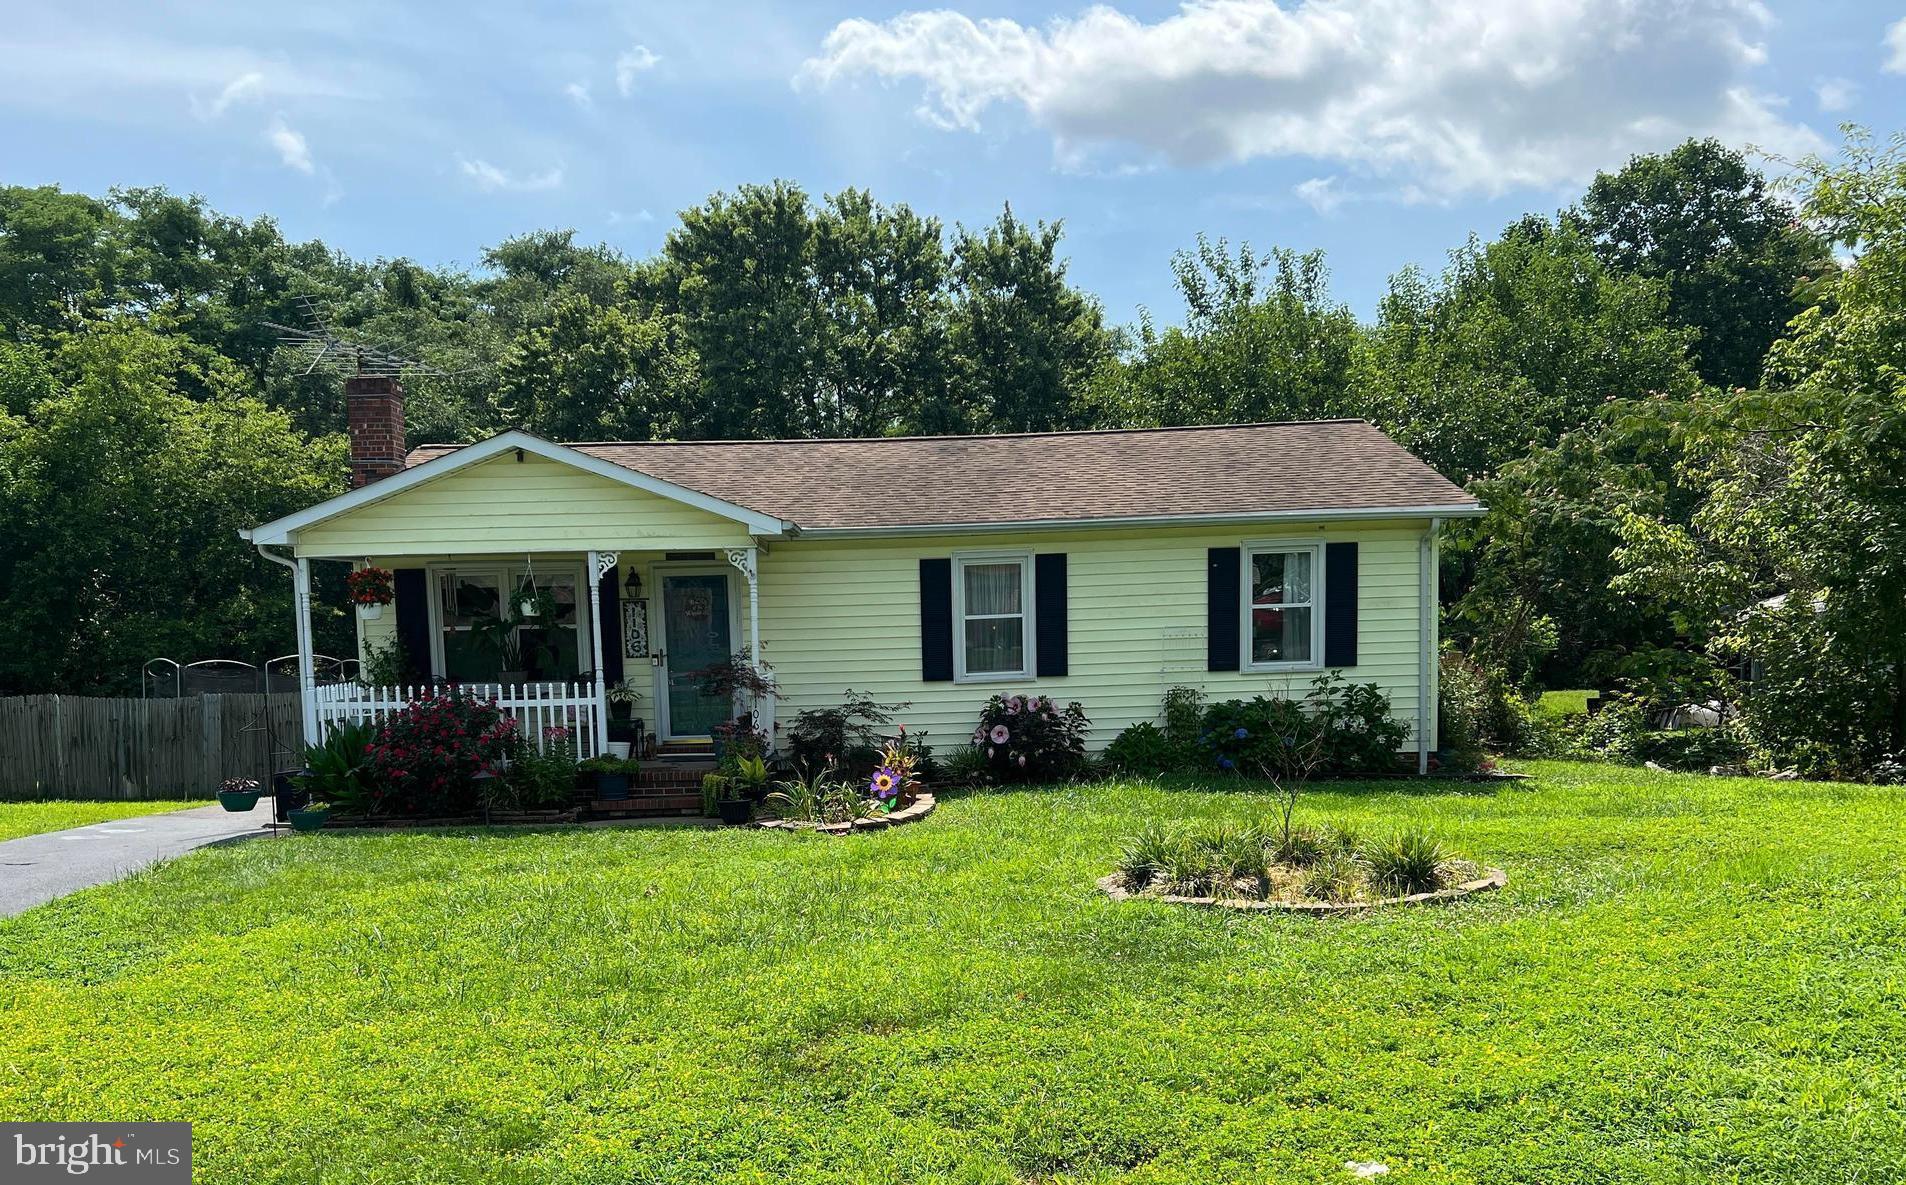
32	818
1687	979
1563	703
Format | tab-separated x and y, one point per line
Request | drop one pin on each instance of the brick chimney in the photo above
376	411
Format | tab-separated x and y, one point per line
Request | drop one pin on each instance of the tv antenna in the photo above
321	346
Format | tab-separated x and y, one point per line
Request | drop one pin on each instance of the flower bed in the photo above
921	806
1296	868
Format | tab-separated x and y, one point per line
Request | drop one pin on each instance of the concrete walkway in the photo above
38	868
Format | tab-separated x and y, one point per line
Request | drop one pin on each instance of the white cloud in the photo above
1321	194
1896	47
637	61
291	147
1447	95
245	87
1835	94
578	93
489	178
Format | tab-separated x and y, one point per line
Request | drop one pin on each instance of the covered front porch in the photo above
583	648
582	596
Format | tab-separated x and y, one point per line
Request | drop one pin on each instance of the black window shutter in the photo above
411	587
1222	609
1049	609
610	623
1340	604
936	620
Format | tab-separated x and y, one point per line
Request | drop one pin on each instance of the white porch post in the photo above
307	675
600	563
745	561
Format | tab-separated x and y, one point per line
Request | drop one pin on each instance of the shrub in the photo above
966	766
1232	852
1360	735
1478	712
1184	722
340	771
1405	862
425	758
1691	748
848	736
1030	738
1302	846
546	779
1337	728
1141	749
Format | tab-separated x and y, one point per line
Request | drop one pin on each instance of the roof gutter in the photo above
1361	514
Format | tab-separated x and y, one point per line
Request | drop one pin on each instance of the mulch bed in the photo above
1492	878
921	806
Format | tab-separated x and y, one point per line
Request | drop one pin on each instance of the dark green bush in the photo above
1691	748
1141	749
1029	738
1347	725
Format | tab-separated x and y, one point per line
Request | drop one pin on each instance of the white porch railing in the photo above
537	708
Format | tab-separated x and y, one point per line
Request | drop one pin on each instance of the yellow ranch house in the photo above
1103	566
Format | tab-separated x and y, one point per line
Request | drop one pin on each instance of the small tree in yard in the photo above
1288	765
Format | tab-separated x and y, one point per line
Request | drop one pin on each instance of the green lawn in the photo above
31	818
1563	703
1687	980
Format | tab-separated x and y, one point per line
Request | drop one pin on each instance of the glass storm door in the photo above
697	634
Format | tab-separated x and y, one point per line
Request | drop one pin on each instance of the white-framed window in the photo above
1283	626
992	616
551	647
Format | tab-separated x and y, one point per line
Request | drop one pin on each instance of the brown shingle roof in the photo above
1242	469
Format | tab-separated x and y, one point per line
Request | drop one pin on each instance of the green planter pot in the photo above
308	820
612	787
735	811
238	800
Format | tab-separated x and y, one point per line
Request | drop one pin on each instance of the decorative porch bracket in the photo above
744	560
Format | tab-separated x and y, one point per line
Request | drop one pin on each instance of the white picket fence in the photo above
537	707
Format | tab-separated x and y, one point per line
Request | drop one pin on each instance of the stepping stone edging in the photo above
921	806
1492	878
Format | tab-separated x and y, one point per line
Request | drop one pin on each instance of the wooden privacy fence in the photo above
69	746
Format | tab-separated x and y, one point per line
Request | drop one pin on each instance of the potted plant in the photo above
612	776
533	602
371	589
239	794
726	799
309	818
623	696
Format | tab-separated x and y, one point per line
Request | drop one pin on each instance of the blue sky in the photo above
1382	131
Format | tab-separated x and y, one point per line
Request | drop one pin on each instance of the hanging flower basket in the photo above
371	589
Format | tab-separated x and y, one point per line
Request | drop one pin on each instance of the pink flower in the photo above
1000	734
989	752
1022	761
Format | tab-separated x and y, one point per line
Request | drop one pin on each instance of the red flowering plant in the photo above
371	586
426	757
1029	737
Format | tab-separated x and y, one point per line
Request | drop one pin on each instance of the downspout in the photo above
1427	675
301	614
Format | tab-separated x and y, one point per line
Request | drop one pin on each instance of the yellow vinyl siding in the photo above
840	614
509	506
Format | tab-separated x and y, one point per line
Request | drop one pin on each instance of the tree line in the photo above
1677	396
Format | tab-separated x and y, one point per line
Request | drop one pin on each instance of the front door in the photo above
697	633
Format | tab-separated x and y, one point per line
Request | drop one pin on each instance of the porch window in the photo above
1281	616
470	599
992	595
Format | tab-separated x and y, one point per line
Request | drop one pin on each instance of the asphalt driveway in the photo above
38	868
